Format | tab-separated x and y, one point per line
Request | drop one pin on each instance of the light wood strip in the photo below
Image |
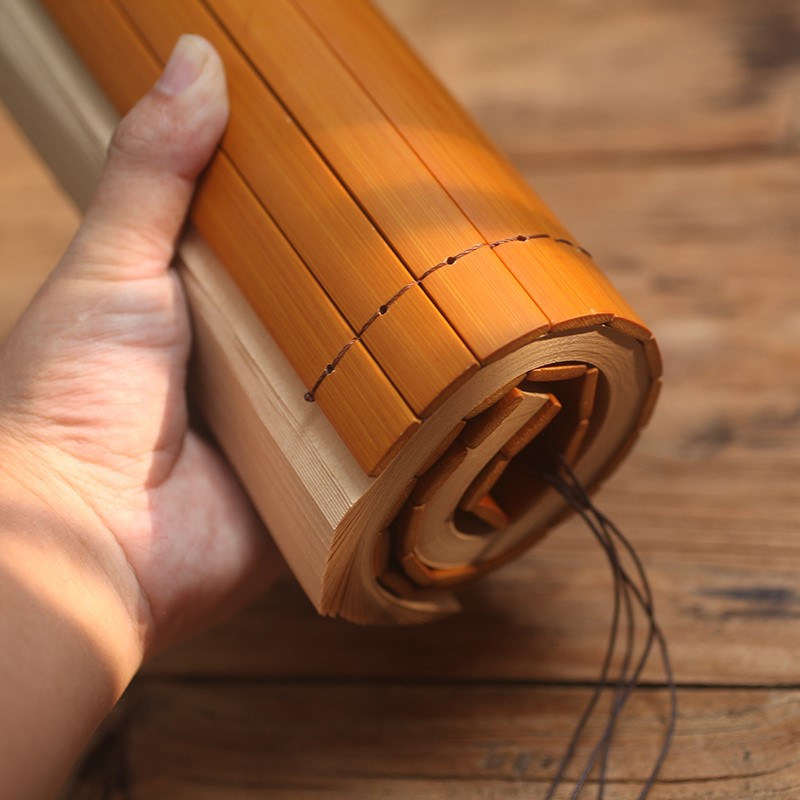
654	360
361	403
588	393
490	192
416	570
484	481
479	427
423	575
487	510
493	398
649	404
532	428
556	372
327	228
430	483
440	448
573	446
477	294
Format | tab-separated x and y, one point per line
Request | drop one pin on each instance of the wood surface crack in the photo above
450	260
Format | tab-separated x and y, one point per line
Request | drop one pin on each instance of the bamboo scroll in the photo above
362	264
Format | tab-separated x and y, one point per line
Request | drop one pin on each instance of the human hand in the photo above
93	416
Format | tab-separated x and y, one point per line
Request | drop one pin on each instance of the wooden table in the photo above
667	135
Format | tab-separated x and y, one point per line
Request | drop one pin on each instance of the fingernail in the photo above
184	65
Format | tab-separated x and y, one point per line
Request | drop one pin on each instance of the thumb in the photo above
155	156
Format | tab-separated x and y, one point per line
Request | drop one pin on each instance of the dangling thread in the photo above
627	592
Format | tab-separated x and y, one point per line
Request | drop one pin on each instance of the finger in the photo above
155	156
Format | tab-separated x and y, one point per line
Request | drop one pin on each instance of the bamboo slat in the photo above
561	279
318	216
483	302
374	415
374	252
371	417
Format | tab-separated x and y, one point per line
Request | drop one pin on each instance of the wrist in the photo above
55	549
69	642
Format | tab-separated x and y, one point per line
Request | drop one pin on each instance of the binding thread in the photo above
450	260
628	591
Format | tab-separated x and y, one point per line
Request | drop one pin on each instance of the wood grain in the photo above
467	741
373	419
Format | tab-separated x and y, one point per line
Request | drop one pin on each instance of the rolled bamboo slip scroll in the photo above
395	336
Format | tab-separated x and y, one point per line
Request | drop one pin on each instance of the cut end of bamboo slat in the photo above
494	474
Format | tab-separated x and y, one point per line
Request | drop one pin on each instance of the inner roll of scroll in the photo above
396	341
468	493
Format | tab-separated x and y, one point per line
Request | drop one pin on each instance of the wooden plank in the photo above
482	425
477	294
431	481
532	428
329	231
723	564
556	372
401	740
560	85
487	510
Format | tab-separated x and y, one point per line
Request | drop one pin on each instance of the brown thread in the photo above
383	309
627	591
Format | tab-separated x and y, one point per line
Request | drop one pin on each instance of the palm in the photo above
108	393
94	374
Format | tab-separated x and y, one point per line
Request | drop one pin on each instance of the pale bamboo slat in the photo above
100	35
478	295
361	403
325	225
562	280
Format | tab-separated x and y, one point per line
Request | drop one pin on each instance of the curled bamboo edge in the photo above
399	570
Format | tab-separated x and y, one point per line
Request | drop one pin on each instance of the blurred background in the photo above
667	137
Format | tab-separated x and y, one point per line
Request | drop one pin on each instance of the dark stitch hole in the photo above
450	260
383	309
329	369
308	397
522	238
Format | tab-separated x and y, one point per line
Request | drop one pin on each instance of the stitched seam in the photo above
384	309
